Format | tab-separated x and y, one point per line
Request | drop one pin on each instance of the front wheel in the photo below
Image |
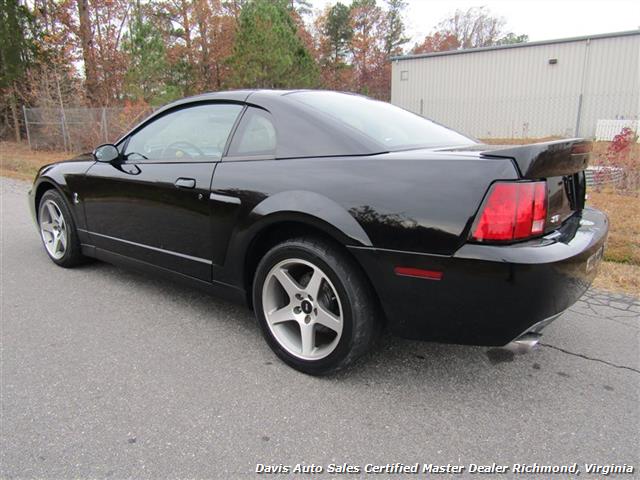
314	306
58	230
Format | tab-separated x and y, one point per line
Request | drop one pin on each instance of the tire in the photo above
58	230
326	299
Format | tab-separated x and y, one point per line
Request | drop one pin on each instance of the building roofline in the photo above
518	45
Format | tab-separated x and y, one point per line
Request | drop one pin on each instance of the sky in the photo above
540	19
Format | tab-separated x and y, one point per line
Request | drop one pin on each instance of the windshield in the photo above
395	128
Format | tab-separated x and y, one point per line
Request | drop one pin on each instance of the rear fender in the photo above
303	207
321	211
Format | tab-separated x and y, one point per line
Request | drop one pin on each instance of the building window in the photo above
404	75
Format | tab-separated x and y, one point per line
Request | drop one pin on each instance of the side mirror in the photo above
106	153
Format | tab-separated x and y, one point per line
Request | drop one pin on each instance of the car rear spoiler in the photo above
547	159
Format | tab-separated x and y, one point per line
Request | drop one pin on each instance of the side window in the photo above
193	134
256	135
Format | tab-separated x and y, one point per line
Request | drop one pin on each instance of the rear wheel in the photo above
58	230
315	308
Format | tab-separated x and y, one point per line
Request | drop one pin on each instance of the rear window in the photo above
391	126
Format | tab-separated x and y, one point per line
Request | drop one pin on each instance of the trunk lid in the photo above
548	159
561	163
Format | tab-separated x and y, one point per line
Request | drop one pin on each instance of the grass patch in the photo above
620	272
624	216
19	161
619	277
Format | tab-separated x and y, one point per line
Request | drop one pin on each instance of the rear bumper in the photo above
488	295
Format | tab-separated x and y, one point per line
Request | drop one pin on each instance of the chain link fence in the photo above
78	129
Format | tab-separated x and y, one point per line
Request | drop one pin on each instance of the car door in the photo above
153	204
254	140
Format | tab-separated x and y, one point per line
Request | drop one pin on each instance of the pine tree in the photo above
17	52
338	30
267	52
148	73
395	37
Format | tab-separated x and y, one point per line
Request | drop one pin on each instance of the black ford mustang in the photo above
332	215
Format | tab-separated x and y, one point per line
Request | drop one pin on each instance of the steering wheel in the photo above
180	147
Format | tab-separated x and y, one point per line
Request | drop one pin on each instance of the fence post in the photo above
104	124
26	124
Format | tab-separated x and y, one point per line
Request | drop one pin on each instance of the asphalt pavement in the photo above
107	373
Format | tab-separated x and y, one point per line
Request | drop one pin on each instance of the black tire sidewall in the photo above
299	249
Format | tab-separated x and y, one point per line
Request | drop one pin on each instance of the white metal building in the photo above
537	89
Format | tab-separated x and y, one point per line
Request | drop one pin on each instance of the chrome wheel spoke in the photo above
53	214
289	284
47	227
329	320
63	240
313	287
56	244
308	338
48	237
284	314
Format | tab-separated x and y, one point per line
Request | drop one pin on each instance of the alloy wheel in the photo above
302	309
53	229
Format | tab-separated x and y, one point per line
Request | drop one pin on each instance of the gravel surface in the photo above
108	373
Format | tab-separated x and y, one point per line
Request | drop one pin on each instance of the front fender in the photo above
65	177
43	183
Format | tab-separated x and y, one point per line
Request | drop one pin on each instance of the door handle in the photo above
185	183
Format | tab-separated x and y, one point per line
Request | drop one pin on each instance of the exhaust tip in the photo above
524	343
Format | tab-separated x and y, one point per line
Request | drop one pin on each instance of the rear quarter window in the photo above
256	135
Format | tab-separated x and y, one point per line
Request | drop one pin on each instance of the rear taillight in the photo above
512	211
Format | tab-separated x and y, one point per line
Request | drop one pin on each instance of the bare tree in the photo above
473	28
88	51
